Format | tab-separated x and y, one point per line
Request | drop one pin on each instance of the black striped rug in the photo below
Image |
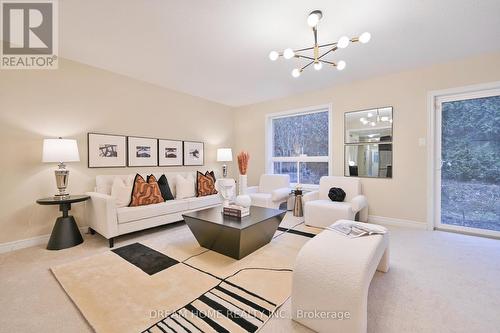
223	309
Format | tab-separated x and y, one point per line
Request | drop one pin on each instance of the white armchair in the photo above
271	192
320	211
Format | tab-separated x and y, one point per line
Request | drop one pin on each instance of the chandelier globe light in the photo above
365	37
320	51
343	42
273	55
314	17
288	53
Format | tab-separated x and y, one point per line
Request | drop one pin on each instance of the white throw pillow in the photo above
121	191
184	187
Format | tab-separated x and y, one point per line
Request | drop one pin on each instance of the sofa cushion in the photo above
165	190
261	199
328	204
200	202
145	193
121	191
129	214
185	187
104	183
205	184
323	213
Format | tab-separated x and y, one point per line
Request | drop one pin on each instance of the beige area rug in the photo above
174	285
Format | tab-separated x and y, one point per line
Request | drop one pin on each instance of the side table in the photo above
295	202
297	205
65	233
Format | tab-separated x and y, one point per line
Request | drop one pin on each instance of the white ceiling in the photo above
218	49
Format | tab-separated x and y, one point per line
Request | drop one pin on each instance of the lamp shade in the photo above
60	150
224	155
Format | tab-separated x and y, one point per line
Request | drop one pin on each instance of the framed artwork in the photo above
170	152
106	150
142	152
193	153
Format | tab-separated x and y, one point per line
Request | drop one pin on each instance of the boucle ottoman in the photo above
331	279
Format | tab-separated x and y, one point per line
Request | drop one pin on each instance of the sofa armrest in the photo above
100	214
310	196
252	189
280	194
358	203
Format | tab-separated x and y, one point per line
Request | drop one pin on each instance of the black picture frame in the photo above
188	147
151	156
93	160
181	157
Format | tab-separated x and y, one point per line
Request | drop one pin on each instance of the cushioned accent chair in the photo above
271	192
320	211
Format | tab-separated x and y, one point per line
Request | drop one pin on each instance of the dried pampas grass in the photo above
243	158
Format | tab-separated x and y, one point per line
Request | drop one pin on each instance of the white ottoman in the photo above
331	279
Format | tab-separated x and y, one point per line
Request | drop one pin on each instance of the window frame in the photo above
269	159
434	135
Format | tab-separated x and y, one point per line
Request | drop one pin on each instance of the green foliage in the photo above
471	140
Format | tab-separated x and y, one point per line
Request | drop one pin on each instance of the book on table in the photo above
236	211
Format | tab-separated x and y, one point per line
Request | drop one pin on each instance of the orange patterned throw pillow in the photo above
205	184
145	193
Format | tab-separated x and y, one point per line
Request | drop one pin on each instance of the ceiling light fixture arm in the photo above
319	59
333	49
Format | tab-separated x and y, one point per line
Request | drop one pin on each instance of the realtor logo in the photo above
29	34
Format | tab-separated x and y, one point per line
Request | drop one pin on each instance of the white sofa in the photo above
105	218
320	211
271	192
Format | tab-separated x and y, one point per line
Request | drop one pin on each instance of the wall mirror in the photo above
369	160
368	143
373	125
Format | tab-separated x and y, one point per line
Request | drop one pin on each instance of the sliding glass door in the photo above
468	162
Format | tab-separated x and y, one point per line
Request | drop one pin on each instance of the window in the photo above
298	145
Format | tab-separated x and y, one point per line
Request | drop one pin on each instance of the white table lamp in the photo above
60	151
224	155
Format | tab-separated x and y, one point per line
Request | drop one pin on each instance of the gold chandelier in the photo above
317	60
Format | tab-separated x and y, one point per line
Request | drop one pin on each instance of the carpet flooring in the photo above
438	282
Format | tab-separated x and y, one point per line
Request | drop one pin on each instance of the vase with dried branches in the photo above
243	158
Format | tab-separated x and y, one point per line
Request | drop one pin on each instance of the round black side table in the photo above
65	232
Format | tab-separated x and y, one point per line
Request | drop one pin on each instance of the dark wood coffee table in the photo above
231	236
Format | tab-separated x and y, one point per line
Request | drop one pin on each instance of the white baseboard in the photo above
29	242
390	221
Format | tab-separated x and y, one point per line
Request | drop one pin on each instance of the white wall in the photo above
404	196
74	100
